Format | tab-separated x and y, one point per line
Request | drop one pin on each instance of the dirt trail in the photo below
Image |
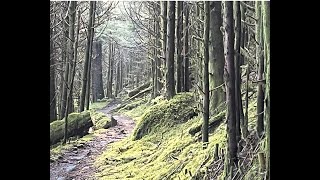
78	163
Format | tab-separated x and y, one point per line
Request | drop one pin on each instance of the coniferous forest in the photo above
160	90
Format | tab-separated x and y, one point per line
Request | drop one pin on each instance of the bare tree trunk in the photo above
216	62
87	100
238	100
244	125
178	34
266	31
66	66
164	36
206	73
158	52
73	51
97	82
259	56
186	50
170	52
87	58
121	75
53	107
230	81
118	79
110	71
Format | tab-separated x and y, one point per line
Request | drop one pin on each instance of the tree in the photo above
65	59
110	69
87	57
97	82
53	110
178	35
206	73
216	55
73	55
259	56
238	99
87	98
186	55
266	34
163	35
230	81
170	52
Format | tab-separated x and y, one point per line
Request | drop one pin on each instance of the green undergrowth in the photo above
99	119
165	114
165	151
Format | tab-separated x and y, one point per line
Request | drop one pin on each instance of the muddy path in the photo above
78	163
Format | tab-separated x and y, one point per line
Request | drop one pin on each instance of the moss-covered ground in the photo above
161	147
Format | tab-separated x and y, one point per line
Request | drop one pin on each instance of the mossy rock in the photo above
78	124
102	121
166	114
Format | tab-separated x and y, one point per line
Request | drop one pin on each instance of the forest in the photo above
160	90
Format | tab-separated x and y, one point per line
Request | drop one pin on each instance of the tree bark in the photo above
110	71
238	99
97	82
87	100
53	110
178	34
72	55
186	86
259	56
66	66
170	52
230	81
162	62
87	58
216	61
266	31
206	73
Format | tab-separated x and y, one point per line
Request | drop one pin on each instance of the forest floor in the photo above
78	162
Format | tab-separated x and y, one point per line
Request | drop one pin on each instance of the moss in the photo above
165	114
100	120
77	122
167	150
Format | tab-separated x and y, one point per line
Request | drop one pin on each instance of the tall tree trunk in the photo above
238	99
87	58
266	31
230	81
118	79
121	75
216	62
87	100
158	52
186	50
97	82
110	71
259	56
100	91
170	52
206	73
72	47
53	110
66	66
244	123
178	34
164	36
